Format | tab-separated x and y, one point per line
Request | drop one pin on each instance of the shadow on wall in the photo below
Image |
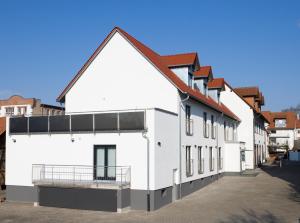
290	172
250	216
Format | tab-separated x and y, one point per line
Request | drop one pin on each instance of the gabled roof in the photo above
217	83
248	91
159	63
181	59
255	110
290	117
203	72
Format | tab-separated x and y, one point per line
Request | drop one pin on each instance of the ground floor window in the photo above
188	161
220	159
211	159
200	161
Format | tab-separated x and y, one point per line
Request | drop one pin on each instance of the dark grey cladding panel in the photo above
82	122
38	124
132	121
78	198
18	125
106	122
59	123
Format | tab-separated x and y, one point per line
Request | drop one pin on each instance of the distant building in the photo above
16	105
284	129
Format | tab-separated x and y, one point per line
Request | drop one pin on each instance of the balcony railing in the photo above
190	168
78	123
189	127
80	175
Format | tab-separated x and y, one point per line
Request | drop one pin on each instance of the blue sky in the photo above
250	43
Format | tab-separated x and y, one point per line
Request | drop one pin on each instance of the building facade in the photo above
284	130
143	134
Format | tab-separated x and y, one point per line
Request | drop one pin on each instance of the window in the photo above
9	111
273	131
188	161
52	112
225	131
205	125
213	128
205	89
188	120
211	159
200	161
190	80
280	123
220	159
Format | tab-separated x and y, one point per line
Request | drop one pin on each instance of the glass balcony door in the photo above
105	162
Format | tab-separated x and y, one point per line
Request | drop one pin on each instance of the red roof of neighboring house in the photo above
159	63
216	83
180	59
298	124
290	117
2	125
204	71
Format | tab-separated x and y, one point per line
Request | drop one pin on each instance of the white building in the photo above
141	130
246	104
284	129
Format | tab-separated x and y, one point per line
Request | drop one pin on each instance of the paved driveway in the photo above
272	196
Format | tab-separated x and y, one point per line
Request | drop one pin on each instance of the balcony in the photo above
81	176
189	126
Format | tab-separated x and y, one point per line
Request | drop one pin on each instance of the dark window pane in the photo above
82	123
59	123
18	125
106	122
132	121
38	124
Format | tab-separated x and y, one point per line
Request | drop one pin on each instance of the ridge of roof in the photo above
157	61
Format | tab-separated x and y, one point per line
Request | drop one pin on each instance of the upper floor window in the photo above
225	131
190	80
280	123
9	111
205	89
205	125
213	127
188	120
22	110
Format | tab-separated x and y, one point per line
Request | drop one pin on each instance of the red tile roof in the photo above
204	71
217	83
290	117
159	63
248	91
180	59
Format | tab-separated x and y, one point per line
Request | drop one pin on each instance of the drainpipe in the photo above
148	171
180	163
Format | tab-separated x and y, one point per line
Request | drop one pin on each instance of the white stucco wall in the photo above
120	78
246	127
58	149
232	158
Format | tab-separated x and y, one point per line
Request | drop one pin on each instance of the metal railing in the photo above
189	167
189	127
80	175
201	166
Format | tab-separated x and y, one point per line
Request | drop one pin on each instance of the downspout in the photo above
180	162
148	170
